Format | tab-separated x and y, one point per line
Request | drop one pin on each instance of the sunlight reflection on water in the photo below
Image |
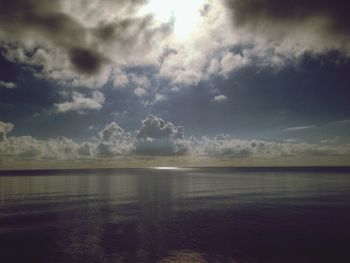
166	168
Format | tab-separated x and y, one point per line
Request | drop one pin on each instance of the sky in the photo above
139	83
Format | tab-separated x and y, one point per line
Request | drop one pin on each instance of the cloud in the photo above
113	141
140	92
159	147
159	137
113	133
156	128
230	62
273	11
5	127
226	147
22	20
316	25
80	44
85	61
159	98
77	43
120	78
80	102
219	98
184	65
86	149
341	122
223	145
140	81
299	128
7	85
29	148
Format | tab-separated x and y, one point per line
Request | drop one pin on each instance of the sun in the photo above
184	14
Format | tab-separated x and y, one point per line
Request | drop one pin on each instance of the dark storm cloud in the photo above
23	20
254	11
84	60
26	18
277	18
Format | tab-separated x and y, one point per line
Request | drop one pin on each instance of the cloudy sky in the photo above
174	82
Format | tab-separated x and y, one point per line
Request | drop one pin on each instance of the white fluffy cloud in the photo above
79	102
29	148
7	85
5	127
231	62
224	146
219	98
113	141
156	128
157	137
140	92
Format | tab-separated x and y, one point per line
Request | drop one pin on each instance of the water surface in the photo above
175	215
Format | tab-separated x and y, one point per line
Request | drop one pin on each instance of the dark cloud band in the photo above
275	18
253	11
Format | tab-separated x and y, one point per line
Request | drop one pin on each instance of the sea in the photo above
170	214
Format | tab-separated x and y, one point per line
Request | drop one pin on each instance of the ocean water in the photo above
176	215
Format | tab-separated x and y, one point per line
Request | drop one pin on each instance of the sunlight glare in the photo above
185	14
166	168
